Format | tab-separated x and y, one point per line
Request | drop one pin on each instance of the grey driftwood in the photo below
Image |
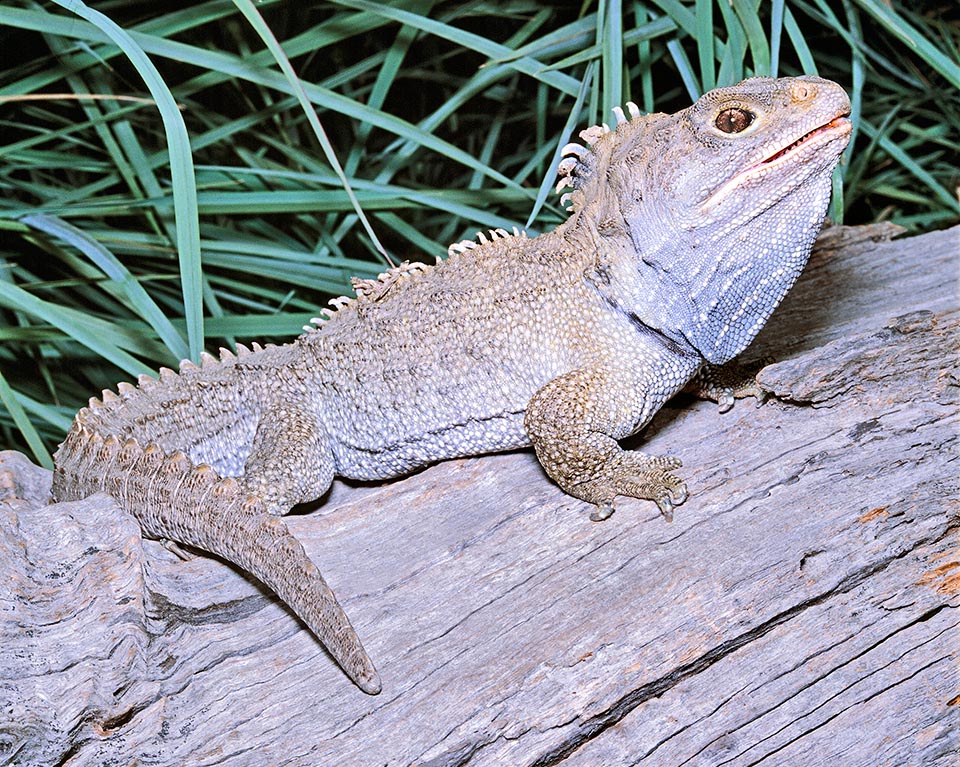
802	609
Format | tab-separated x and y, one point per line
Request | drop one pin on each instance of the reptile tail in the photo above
264	547
172	498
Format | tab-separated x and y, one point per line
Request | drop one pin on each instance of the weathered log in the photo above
801	610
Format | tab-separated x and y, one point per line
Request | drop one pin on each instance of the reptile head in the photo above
721	202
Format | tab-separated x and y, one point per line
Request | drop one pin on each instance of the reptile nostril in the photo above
802	91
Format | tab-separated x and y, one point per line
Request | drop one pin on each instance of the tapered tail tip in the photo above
369	681
355	662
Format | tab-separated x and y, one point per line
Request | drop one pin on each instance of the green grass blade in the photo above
776	34
226	65
807	64
181	169
110	265
256	21
98	336
386	77
705	44
524	64
907	34
20	419
756	37
642	33
612	58
644	54
912	166
682	63
682	15
735	51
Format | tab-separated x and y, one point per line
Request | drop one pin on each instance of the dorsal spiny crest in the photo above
375	289
579	162
368	291
495	234
372	290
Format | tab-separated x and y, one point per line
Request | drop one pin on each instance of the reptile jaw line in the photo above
810	143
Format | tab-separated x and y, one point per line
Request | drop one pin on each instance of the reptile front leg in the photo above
574	423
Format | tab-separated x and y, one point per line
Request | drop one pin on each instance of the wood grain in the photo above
801	610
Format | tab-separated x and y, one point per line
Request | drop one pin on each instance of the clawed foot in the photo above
728	395
642	476
176	549
727	383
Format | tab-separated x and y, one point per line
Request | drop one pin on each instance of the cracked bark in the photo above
802	608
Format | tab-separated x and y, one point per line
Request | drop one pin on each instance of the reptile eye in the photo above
734	120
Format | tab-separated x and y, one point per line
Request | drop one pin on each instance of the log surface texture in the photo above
801	610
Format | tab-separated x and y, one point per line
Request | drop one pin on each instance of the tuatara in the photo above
686	231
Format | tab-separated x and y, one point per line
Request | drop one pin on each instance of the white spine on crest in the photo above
574	149
572	165
495	234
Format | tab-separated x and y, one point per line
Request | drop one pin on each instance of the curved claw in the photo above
671	498
727	396
725	400
602	512
729	382
642	476
666	507
681	495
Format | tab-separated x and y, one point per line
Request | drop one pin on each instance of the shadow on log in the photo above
801	610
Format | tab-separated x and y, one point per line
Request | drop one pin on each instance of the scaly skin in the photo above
686	232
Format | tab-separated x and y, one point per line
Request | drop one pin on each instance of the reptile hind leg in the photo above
290	461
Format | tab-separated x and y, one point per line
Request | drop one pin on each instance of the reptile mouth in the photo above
840	123
809	143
